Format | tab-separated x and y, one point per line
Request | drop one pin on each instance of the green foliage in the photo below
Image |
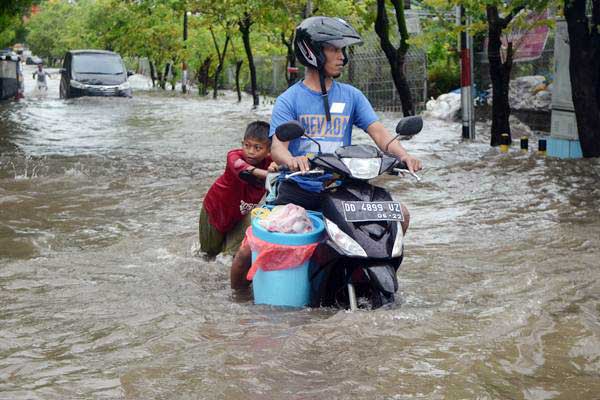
443	77
154	28
11	20
56	29
15	7
8	29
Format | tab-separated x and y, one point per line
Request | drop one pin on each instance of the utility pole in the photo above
308	10
184	71
466	74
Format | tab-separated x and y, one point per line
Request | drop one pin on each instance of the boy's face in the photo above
255	150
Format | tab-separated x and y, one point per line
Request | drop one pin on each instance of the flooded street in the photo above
103	294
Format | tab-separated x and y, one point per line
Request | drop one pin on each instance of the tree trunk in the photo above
161	80
203	77
396	57
152	73
308	9
238	67
290	57
500	77
245	25
221	62
163	77
173	80
584	68
219	69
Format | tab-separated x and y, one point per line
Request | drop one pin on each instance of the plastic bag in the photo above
274	257
289	218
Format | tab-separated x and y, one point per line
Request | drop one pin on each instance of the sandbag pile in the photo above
445	107
528	93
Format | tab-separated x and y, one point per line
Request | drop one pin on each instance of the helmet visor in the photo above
340	43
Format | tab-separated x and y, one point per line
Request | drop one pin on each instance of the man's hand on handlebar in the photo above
299	163
413	164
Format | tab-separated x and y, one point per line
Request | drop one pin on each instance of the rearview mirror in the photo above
409	126
289	131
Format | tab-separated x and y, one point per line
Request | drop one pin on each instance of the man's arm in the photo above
382	137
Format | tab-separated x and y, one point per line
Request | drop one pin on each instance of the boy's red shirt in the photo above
230	198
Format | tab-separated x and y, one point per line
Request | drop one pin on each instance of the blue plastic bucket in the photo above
286	287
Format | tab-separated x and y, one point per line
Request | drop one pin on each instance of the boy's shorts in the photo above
213	242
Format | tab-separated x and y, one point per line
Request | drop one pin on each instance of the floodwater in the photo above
103	294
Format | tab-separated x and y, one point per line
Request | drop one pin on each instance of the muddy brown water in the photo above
103	294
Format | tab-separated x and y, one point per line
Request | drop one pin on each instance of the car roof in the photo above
91	51
9	56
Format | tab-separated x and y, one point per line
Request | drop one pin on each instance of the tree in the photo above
9	27
238	67
221	57
286	15
245	22
151	29
11	19
584	67
396	56
499	72
499	19
292	13
520	16
57	28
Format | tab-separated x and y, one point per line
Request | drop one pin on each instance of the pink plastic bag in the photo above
274	257
289	218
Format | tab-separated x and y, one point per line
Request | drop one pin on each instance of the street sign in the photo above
528	44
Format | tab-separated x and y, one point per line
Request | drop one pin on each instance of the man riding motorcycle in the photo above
327	110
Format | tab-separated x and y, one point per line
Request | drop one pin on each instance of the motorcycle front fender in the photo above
383	277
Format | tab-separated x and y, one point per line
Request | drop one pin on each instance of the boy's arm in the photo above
243	170
262	173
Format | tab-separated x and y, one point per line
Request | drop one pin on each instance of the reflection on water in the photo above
102	294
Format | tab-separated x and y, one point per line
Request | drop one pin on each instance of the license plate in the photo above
357	211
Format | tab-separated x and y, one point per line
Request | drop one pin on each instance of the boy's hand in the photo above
273	167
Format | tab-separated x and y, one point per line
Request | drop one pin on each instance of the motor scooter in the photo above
357	263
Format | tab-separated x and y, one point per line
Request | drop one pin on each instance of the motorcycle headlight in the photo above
124	86
398	242
343	241
363	168
77	84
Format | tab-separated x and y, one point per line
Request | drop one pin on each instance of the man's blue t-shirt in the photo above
348	107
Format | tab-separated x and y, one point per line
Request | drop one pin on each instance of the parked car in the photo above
93	73
33	60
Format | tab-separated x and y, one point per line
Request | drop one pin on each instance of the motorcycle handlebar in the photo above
407	171
400	165
309	172
399	168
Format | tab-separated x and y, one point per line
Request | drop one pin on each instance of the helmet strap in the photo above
324	95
